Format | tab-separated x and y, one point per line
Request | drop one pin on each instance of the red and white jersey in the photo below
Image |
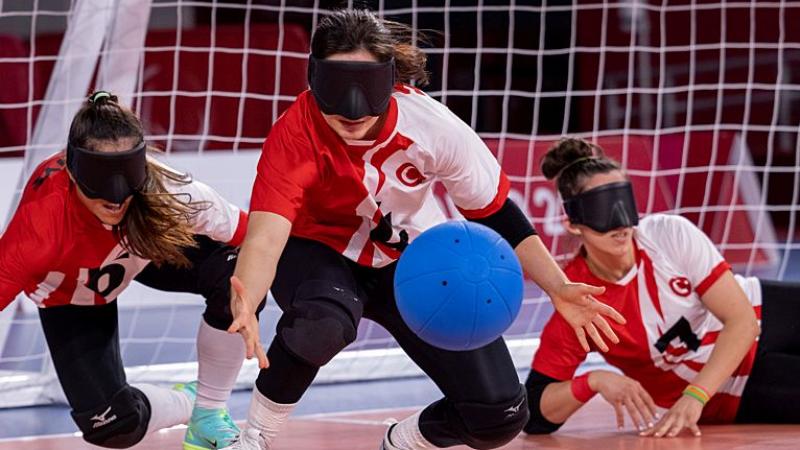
669	333
59	253
340	193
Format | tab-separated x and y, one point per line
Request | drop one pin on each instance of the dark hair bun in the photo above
565	152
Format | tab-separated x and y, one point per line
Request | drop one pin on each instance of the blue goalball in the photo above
458	285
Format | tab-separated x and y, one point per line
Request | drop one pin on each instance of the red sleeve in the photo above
241	230
559	353
503	187
286	168
712	277
24	252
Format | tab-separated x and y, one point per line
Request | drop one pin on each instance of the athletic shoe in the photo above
386	444
210	429
249	439
190	389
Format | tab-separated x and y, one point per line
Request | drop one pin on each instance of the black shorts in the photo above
212	265
772	392
485	375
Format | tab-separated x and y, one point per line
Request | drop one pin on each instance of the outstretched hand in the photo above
246	323
626	395
576	304
683	415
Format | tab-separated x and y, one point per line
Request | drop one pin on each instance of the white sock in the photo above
267	416
220	356
168	407
407	436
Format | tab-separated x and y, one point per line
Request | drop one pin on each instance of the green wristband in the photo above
697	393
695	396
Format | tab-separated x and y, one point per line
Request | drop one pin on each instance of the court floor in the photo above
592	428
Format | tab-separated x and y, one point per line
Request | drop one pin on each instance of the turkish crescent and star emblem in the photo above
680	286
409	175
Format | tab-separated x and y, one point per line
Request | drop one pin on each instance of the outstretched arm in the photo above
558	400
267	234
726	300
573	301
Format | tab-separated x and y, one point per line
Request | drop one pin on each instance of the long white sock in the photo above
220	356
168	407
407	436
267	416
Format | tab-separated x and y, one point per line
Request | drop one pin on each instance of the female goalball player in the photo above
690	343
88	223
344	184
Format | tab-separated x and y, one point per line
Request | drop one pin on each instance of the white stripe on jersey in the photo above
734	385
365	209
51	282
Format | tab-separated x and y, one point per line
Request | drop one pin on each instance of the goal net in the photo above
699	100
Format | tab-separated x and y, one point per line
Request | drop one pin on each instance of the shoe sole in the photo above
188	446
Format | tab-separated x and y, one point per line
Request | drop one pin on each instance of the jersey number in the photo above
681	330
383	233
106	279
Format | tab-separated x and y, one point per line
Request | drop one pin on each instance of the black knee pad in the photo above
321	321
488	426
121	423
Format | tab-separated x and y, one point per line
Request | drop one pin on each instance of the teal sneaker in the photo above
190	389
210	429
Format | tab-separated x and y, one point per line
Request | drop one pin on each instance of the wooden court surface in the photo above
591	429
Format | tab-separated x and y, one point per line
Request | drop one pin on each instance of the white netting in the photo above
698	99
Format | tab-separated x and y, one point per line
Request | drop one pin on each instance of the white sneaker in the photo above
386	444
249	439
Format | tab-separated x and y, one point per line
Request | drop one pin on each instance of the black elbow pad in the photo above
510	222
537	424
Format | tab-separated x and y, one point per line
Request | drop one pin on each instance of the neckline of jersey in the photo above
625	279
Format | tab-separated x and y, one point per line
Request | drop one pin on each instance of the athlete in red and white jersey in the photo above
92	219
661	299
58	253
691	324
344	184
368	198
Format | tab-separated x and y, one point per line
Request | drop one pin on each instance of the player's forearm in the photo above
539	265
726	300
558	403
267	234
733	343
